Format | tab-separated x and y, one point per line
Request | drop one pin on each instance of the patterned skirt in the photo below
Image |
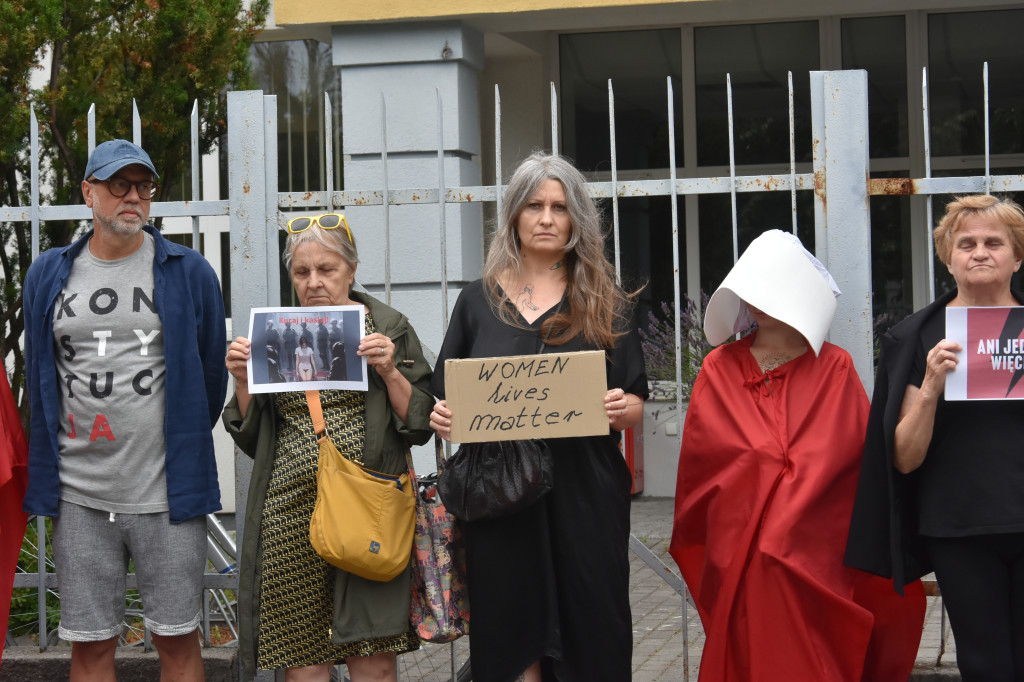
297	586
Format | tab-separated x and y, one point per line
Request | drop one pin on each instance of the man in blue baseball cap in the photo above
114	155
125	337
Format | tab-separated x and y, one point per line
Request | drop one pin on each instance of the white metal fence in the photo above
839	181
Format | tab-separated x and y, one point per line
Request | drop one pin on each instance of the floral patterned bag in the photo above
439	608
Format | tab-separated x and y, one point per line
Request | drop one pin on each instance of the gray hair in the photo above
597	309
585	235
336	240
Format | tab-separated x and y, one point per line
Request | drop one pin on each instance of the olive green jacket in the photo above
363	609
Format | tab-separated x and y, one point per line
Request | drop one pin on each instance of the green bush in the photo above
24	600
658	341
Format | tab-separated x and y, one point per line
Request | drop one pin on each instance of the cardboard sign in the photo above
552	395
991	363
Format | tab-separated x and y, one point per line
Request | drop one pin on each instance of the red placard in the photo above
992	361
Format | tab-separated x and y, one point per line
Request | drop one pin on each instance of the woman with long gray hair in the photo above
549	584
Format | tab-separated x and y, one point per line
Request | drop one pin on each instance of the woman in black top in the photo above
339	368
954	471
549	585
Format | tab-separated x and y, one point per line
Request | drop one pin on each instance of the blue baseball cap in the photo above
113	155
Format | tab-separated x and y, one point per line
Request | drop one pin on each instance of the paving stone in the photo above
658	634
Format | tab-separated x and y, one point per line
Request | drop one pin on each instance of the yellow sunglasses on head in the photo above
327	221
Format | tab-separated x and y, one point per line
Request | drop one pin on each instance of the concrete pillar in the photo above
842	215
253	221
406	66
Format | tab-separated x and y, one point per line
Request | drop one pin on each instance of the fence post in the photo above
841	201
250	275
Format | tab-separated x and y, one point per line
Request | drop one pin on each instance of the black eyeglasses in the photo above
119	187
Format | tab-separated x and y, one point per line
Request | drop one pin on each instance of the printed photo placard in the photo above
297	349
991	364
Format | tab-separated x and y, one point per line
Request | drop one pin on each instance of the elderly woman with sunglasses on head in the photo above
295	610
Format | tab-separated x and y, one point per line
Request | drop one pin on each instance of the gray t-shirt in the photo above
110	364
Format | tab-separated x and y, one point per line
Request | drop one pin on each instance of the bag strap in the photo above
439	451
412	470
316	412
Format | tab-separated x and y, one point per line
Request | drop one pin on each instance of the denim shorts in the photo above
91	549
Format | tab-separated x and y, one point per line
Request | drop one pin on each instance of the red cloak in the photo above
767	476
13	479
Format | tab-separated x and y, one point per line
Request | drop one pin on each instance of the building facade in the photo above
396	57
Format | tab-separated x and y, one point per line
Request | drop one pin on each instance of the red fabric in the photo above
13	479
767	476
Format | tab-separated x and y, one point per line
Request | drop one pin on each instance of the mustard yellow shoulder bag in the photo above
363	520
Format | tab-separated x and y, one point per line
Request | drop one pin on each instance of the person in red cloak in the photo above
767	474
13	479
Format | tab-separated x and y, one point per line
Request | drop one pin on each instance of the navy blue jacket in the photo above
188	300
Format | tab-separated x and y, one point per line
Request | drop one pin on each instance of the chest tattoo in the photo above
524	301
773	360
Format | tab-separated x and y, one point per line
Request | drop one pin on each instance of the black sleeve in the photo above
626	368
933	330
918	369
457	340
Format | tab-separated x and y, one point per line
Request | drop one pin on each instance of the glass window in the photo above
645	241
757	57
299	72
958	46
756	212
638	63
879	46
891	264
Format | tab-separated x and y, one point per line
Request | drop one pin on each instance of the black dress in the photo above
552	582
971	480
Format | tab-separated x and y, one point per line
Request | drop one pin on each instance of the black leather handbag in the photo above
493	479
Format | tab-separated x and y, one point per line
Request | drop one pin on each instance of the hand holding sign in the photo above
441	420
941	360
280	359
622	409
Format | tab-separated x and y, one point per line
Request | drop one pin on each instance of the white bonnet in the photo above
778	276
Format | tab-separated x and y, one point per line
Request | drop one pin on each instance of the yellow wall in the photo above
292	12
